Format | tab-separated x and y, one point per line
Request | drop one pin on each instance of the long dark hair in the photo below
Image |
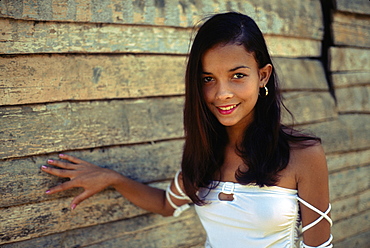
266	143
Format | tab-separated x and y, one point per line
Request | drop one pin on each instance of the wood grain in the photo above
30	37
353	99
343	134
353	6
351	30
350	79
358	223
347	59
274	17
308	107
86	77
22	181
45	128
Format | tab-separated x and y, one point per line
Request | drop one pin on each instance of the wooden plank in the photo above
300	74
353	99
346	207
351	30
163	236
22	182
360	240
38	219
342	59
141	227
55	37
284	46
342	184
345	134
309	107
275	17
37	129
345	79
350	227
84	77
339	161
353	6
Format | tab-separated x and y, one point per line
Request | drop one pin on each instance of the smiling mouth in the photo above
228	107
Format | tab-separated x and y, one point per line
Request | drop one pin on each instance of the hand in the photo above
81	174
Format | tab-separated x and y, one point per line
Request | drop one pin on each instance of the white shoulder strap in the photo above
182	196
323	215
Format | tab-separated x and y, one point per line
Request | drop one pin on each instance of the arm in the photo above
312	178
95	179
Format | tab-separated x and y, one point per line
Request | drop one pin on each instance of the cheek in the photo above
207	95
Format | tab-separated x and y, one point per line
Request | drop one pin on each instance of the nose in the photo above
224	91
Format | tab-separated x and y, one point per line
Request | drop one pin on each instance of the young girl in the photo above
252	179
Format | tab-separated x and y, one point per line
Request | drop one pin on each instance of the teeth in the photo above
227	108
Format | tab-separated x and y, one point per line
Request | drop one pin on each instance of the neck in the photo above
235	136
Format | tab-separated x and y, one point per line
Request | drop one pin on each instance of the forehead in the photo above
229	55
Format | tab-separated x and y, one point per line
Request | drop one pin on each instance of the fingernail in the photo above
73	206
44	167
47	191
50	161
62	155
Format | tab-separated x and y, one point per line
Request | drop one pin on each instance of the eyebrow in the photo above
239	67
231	70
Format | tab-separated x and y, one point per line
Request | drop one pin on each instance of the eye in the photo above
207	79
238	75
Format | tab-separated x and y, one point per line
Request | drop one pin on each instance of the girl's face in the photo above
231	82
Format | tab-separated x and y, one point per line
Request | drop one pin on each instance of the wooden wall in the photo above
103	80
349	65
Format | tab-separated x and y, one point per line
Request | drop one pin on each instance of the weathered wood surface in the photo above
353	226
181	233
300	74
308	107
342	184
149	225
25	37
30	222
350	205
344	134
358	241
273	17
43	218
53	37
349	59
349	79
353	6
354	99
85	77
22	181
351	30
39	129
340	161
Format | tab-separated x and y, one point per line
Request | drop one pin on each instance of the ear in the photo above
264	74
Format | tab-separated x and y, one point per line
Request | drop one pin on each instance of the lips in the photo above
228	109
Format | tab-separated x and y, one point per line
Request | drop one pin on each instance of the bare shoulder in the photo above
309	162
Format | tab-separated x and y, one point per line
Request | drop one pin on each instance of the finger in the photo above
71	158
58	172
61	187
62	164
81	197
